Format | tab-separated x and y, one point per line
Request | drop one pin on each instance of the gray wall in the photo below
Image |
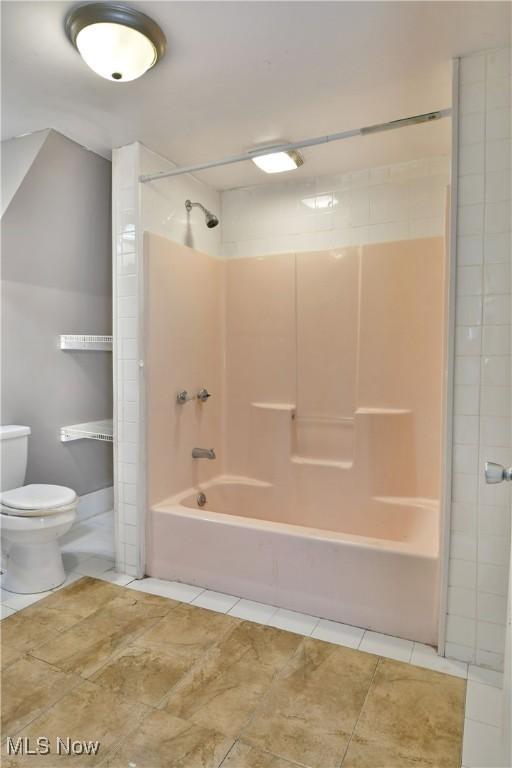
57	278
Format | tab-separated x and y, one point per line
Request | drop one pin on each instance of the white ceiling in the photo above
238	74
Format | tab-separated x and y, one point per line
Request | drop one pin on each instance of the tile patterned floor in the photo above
88	550
165	683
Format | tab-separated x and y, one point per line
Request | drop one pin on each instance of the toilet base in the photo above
32	569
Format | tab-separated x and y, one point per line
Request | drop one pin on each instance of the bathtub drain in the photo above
201	499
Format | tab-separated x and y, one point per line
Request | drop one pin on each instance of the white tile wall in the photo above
125	213
393	202
158	207
480	541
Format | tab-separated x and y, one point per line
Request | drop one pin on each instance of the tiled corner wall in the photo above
127	456
480	538
374	205
160	208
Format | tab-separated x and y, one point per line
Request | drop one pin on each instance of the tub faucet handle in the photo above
183	397
203	395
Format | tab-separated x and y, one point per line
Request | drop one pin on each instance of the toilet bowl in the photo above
32	519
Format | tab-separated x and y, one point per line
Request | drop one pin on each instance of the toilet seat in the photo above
37	500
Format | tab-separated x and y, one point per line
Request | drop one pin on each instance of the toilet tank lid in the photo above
13	430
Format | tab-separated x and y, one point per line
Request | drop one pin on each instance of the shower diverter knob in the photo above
203	395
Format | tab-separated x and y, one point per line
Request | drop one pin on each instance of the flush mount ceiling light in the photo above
277	162
115	41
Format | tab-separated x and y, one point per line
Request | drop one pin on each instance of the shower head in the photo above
209	217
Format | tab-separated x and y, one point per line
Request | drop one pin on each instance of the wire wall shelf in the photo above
86	342
89	430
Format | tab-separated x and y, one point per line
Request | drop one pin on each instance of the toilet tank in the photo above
13	456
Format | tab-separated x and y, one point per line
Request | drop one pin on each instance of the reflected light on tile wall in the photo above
320	202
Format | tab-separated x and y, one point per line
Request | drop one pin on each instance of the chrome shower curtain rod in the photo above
378	128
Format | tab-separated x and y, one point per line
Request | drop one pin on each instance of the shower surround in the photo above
326	374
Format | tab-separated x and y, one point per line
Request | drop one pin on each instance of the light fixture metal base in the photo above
114	13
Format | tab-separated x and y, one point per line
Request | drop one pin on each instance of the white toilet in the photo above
33	518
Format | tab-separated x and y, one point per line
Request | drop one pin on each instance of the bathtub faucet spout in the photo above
203	453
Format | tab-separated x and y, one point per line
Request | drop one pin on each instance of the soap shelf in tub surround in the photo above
89	430
290	408
86	342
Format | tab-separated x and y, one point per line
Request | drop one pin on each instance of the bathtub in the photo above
375	567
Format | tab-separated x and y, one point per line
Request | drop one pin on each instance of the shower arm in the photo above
189	205
369	129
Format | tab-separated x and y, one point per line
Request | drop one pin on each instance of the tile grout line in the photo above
358	647
200	659
85	619
278	674
379	659
79	679
79	682
257	621
235	742
286	760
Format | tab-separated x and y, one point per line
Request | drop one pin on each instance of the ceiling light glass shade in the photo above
115	41
116	52
278	162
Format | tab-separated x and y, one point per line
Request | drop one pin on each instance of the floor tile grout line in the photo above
358	647
266	623
233	745
81	680
78	682
480	722
258	748
235	742
485	682
200	659
237	600
143	714
121	589
278	674
379	659
195	598
87	618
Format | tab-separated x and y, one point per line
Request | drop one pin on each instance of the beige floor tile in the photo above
363	754
142	674
30	686
87	713
163	741
20	634
66	607
264	647
295	701
188	631
313	705
244	756
219	693
412	715
90	644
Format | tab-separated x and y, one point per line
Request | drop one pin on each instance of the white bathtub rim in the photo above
406	549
